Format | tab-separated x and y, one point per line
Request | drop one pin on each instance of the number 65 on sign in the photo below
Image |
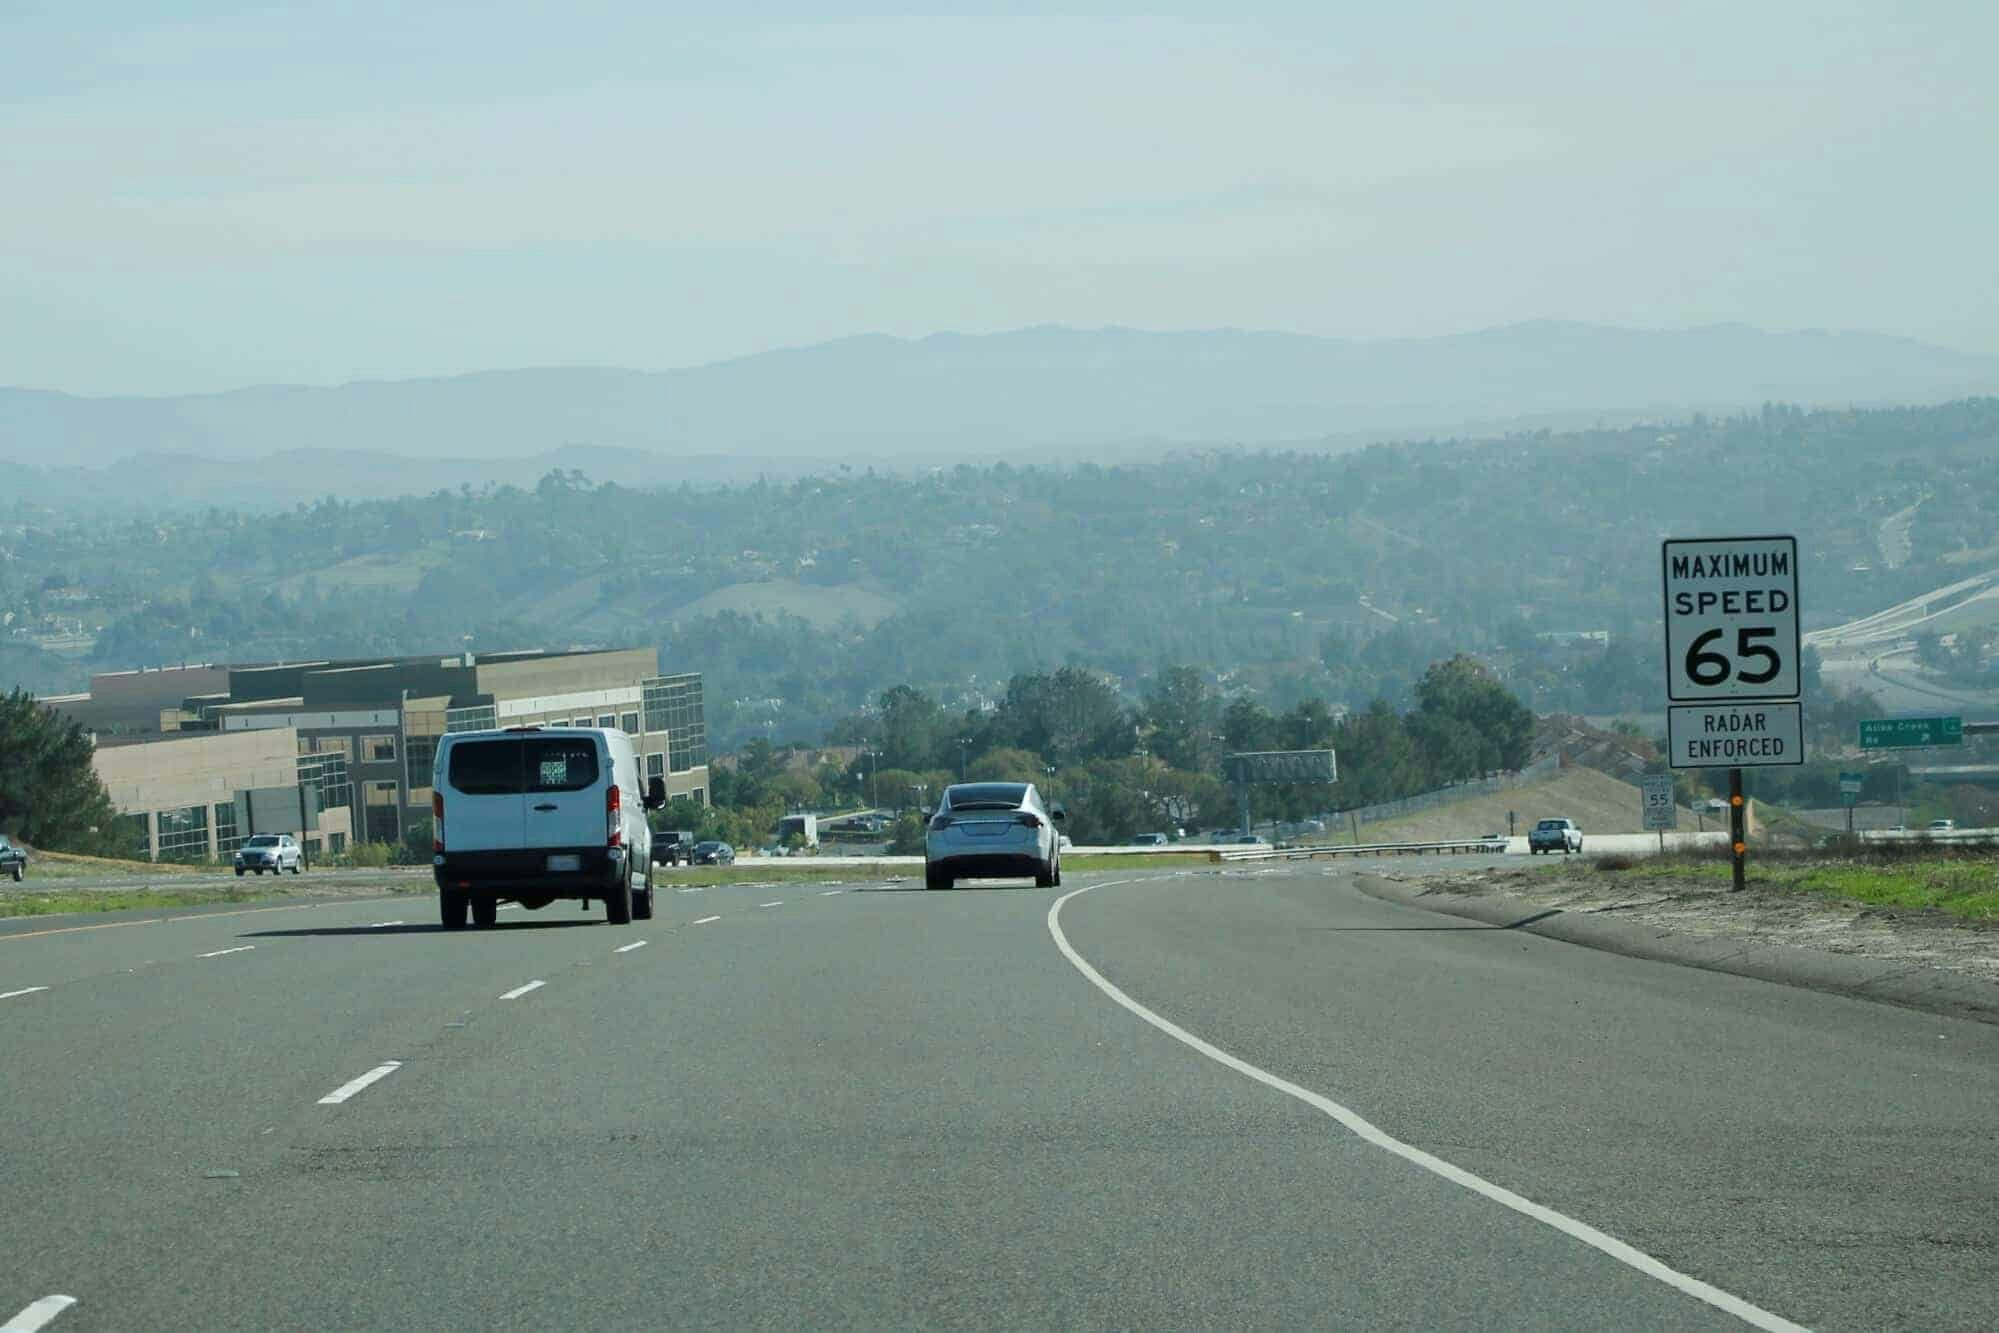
1731	618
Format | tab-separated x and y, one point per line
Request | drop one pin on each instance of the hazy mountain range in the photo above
1039	392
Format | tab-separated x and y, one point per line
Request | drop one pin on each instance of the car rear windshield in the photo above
510	766
988	796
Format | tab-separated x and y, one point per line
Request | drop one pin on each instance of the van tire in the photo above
485	911
618	902
451	908
642	902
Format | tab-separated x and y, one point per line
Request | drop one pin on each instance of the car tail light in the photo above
436	822
939	823
1028	818
614	817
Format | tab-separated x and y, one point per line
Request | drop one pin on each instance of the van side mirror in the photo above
655	794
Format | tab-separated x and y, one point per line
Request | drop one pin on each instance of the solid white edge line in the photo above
706	919
37	1314
778	903
8	995
241	948
352	1086
1626	1254
519	991
627	948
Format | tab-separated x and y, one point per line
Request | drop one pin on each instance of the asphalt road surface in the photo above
1258	1098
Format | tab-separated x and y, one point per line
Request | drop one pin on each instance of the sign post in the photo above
1733	662
1657	805
1849	793
1280	766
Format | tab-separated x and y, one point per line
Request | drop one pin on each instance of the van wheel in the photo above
642	903
485	911
451	907
618	903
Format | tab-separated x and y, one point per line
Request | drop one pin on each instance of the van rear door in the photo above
566	779
485	809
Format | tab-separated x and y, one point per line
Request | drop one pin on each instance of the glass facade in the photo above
419	755
227	839
328	772
477	717
673	704
184	834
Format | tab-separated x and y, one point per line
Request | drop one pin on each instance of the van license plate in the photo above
565	863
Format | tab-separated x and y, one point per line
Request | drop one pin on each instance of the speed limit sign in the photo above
1731	618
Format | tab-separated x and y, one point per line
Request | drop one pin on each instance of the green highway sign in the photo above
1902	733
1850	785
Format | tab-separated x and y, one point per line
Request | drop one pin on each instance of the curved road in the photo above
1258	1098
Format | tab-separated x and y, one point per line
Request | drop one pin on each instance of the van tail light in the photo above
436	822
614	816
1028	818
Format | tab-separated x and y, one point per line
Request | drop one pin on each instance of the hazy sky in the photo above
321	192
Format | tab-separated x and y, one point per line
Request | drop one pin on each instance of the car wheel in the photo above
295	867
239	872
20	872
618	902
1058	872
936	879
1044	878
1579	846
451	906
485	911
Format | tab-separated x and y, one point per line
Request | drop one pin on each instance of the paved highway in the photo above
1258	1098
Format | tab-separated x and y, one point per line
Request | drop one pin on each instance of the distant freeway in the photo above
1151	1099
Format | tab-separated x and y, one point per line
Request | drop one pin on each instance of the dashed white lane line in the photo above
702	921
377	925
1370	1133
627	948
352	1086
696	889
519	991
830	892
241	948
508	907
778	903
38	1314
8	995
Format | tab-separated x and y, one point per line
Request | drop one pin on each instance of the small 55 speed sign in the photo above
1731	618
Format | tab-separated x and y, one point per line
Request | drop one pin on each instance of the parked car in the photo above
1555	835
275	852
533	814
992	829
14	860
1149	840
1943	825
712	853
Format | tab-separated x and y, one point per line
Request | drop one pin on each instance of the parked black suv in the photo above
13	860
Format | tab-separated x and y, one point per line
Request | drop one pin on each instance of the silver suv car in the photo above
275	852
984	829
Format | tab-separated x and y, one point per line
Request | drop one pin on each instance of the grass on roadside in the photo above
1964	883
69	865
122	900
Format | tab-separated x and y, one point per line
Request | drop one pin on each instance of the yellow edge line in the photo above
164	920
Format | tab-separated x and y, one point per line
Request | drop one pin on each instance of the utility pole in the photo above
964	752
1738	828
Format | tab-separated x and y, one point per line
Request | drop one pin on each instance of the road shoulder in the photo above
1897	981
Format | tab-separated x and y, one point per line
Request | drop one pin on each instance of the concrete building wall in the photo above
132	701
183	780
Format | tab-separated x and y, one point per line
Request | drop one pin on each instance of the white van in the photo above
532	814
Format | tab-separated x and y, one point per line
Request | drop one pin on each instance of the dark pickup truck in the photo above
13	860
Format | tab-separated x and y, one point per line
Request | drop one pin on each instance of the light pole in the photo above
964	752
874	796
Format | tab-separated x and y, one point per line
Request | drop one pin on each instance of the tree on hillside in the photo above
1070	716
912	730
1247	725
1474	722
1182	716
49	793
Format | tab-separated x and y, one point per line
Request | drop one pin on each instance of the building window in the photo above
381	817
655	766
629	724
607	719
673	704
419	757
328	772
227	839
699	796
558	722
336	843
476	717
184	834
378	749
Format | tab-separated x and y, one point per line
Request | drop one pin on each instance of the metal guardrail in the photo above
1453	846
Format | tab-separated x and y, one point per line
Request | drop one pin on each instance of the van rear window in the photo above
561	763
486	768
